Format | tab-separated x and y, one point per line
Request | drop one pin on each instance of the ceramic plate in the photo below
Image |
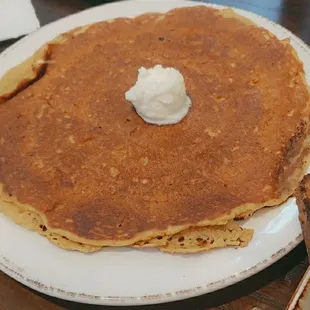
129	276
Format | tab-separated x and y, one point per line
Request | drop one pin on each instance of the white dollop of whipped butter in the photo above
159	95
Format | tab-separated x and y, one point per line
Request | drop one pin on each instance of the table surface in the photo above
270	289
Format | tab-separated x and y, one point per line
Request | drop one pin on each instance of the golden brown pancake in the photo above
198	239
33	221
74	151
192	240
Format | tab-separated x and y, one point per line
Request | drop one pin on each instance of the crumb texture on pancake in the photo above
198	239
192	240
74	152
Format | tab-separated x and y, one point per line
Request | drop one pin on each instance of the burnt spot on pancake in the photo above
43	228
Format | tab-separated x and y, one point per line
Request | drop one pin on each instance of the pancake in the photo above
191	240
198	239
33	221
74	152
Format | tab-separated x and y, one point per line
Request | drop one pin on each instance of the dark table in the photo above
270	289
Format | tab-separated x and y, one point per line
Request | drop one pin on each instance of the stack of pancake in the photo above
78	165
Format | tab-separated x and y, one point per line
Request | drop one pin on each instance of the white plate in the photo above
129	276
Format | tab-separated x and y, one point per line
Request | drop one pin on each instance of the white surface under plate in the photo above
129	276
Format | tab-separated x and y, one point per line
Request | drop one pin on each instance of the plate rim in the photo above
166	297
147	299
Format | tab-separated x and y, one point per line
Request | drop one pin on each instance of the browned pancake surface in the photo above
74	149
